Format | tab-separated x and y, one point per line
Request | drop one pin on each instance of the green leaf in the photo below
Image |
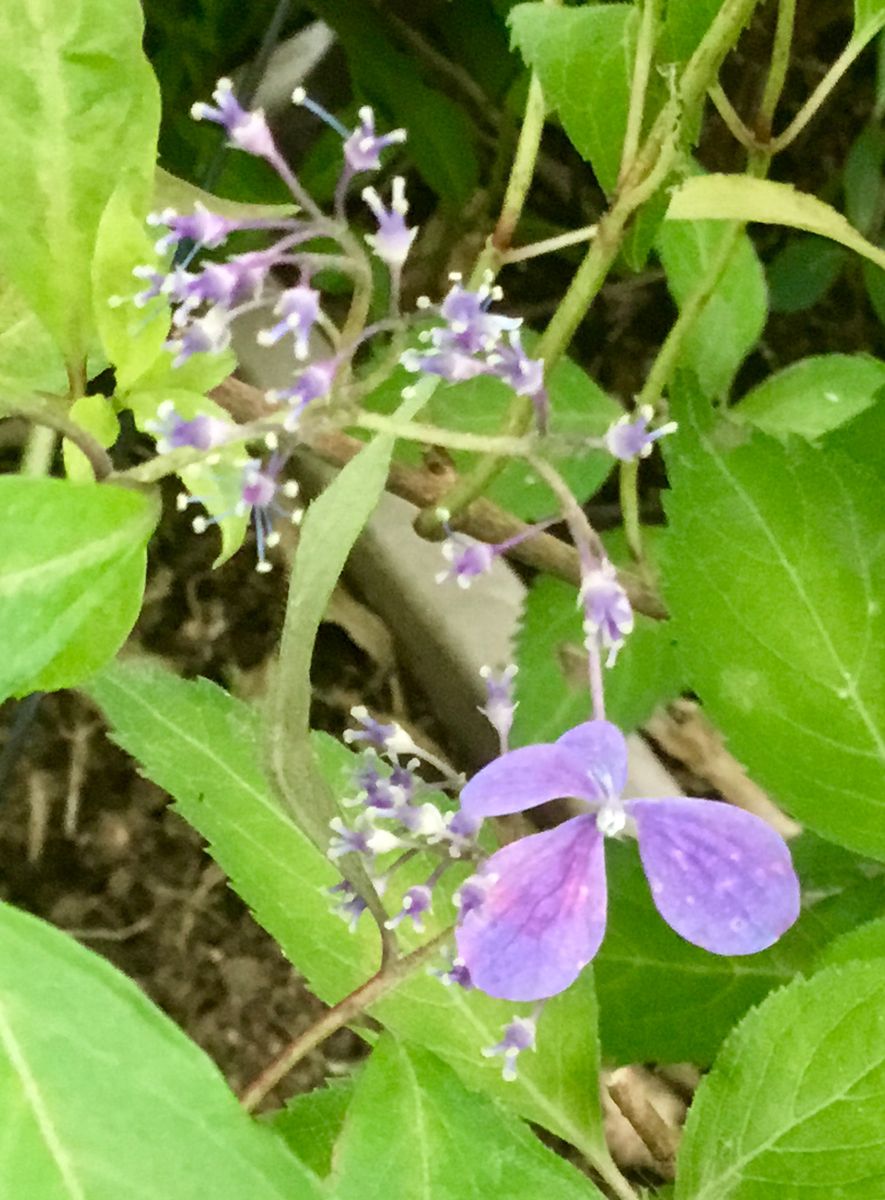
864	943
869	17
773	576
813	396
172	192
200	745
310	1124
94	413
79	97
218	486
862	177
552	687
30	361
741	198
863	438
131	1103
584	60
685	24
698	996
794	1100
333	523
733	315
132	337
71	578
579	409
414	1132
803	272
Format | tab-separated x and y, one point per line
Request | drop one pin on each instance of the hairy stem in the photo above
645	50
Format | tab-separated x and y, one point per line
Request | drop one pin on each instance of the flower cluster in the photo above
473	341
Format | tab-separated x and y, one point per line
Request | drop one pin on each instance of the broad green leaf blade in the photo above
733	315
802	273
71	578
698	996
30	361
862	439
103	1097
333	523
414	1132
172	192
79	97
774	575
584	60
552	683
741	198
795	1100
685	23
200	745
864	943
813	396
310	1124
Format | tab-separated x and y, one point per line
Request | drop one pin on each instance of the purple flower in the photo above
313	383
203	227
629	437
350	907
608	616
173	432
299	308
500	705
416	902
719	876
362	148
393	241
468	558
245	130
469	324
519	1035
209	334
450	364
525	375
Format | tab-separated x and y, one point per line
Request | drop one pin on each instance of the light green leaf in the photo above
218	486
132	337
813	396
869	17
79	97
733	315
200	745
103	1097
794	1100
773	576
862	439
30	361
414	1132
864	943
862	177
741	198
584	60
310	1124
94	413
552	683
71	578
333	523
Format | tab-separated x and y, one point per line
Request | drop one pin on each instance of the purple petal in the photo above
524	778
722	878
542	918
601	751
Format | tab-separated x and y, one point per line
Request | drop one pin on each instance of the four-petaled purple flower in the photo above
630	438
362	147
608	615
535	915
393	241
173	432
299	308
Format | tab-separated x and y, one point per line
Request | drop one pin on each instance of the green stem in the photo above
628	487
730	117
550	245
432	435
777	73
39	451
816	100
645	50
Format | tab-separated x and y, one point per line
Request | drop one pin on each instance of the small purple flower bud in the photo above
314	383
525	375
469	322
173	432
363	839
608	617
500	705
299	308
466	558
473	891
158	285
629	437
449	364
351	906
388	739
393	241
245	130
202	227
416	902
519	1035
458	975
362	148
